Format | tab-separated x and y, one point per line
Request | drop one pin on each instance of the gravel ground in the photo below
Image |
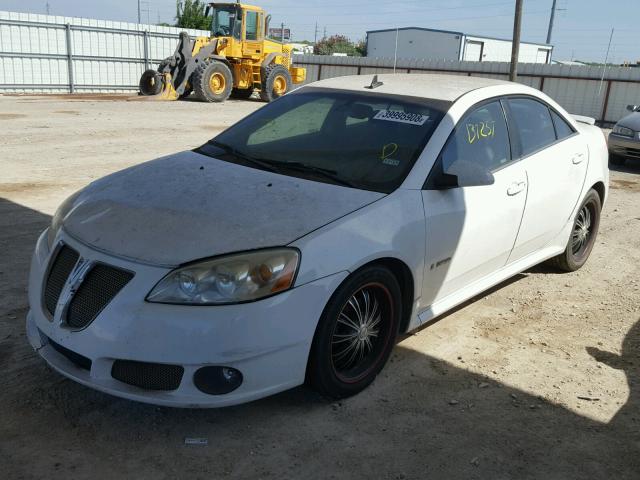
539	378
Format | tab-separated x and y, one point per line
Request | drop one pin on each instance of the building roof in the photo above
456	33
428	85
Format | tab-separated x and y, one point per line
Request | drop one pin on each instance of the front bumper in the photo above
624	146
268	341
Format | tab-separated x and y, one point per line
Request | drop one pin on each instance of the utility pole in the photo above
315	34
139	20
515	46
48	9
606	59
395	52
551	18
325	33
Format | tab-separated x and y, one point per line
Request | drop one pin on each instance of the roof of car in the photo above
435	86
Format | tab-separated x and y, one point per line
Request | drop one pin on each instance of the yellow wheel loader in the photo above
236	60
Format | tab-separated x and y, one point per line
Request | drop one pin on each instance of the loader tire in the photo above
212	81
150	83
275	82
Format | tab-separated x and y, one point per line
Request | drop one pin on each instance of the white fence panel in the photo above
37	52
577	96
621	95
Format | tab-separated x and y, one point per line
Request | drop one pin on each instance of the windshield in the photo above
224	21
363	140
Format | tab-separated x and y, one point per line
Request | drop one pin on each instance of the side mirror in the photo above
633	108
464	174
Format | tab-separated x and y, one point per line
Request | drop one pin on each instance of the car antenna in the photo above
374	83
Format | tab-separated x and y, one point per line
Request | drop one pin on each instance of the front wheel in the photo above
212	81
583	235
356	333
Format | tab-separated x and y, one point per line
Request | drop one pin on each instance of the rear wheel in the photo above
276	82
356	333
212	81
583	235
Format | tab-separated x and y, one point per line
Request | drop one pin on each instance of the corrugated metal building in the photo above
430	44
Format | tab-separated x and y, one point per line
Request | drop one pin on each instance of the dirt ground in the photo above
539	378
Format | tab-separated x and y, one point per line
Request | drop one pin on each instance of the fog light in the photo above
217	380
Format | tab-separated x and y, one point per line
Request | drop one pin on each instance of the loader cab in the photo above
242	22
226	20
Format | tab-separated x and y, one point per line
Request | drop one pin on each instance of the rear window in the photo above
563	129
366	140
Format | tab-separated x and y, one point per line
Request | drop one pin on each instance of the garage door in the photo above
542	55
473	51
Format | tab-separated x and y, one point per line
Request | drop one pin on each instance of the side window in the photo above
480	140
563	129
534	124
251	25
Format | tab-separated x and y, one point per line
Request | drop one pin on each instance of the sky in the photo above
581	30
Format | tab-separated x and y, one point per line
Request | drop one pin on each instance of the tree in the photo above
191	14
336	44
361	48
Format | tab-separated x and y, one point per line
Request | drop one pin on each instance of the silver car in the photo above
624	139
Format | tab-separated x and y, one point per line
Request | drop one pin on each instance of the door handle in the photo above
516	188
577	158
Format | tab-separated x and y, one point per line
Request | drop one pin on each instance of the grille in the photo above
101	284
75	358
150	376
632	152
60	270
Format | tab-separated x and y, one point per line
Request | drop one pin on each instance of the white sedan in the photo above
297	244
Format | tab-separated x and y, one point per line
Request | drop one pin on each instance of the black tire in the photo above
616	160
242	93
150	83
201	81
187	91
274	74
328	369
575	256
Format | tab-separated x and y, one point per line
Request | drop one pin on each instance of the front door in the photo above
470	231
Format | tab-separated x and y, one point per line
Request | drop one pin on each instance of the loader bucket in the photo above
159	85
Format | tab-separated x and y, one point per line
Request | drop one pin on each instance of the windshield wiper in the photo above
323	172
277	166
264	164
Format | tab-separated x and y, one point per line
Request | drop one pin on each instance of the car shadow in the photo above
422	418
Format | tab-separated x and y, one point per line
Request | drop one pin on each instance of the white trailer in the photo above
431	44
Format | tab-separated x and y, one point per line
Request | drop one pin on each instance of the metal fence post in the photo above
69	58
145	39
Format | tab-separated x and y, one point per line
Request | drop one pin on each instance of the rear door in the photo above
470	231
555	158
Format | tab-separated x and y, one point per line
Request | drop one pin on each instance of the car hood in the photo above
631	121
188	206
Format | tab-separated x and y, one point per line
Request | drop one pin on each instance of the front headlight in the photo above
234	278
56	222
624	131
